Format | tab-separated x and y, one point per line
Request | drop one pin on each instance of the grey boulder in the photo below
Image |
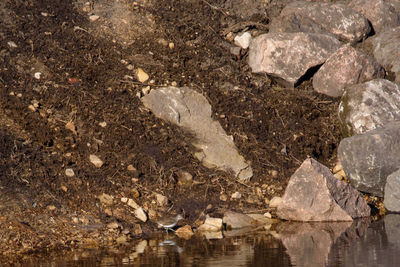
369	158
346	66
381	13
288	56
392	192
336	19
386	50
314	194
368	106
191	111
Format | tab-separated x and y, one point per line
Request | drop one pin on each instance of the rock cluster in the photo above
314	38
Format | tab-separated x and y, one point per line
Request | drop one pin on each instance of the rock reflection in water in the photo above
379	246
309	244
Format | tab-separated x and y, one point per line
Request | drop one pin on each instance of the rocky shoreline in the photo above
109	121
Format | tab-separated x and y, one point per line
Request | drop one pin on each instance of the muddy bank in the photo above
69	89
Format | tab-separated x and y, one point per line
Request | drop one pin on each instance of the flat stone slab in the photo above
368	106
336	19
236	220
288	56
314	194
369	158
346	66
392	192
386	50
191	111
381	13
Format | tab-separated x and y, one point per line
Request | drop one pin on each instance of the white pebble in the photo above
12	44
96	161
37	75
236	195
243	40
69	172
94	17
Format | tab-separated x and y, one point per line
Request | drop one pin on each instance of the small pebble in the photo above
103	124
171	46
243	40
338	167
69	172
32	108
141	75
223	197
236	195
94	17
268	215
96	161
12	44
146	90
51	207
161	200
37	75
162	42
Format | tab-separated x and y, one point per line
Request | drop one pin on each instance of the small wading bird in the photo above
170	222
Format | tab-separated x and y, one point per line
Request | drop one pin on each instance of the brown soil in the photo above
85	80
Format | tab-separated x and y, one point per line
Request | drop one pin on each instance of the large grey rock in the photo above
381	13
346	66
314	194
386	50
368	106
392	192
369	158
334	18
288	56
191	110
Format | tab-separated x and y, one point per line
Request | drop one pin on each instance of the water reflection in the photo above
309	244
360	243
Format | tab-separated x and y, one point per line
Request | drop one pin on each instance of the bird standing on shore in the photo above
170	222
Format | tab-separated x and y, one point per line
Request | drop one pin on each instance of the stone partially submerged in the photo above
369	158
386	50
392	192
191	111
314	194
368	106
288	56
336	19
346	66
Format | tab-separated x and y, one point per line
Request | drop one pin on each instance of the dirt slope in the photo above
88	77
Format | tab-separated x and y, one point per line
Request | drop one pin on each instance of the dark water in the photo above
361	243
